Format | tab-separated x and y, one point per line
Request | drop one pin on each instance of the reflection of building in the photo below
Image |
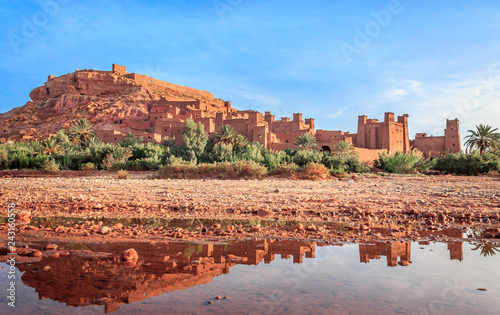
98	279
455	248
391	250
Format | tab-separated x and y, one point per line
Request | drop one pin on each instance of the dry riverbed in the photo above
360	208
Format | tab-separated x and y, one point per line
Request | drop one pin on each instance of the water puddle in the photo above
259	277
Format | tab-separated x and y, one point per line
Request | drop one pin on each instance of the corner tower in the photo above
452	142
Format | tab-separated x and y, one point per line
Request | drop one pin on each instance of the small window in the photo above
286	141
453	144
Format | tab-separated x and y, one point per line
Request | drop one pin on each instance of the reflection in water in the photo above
487	249
94	275
94	278
390	250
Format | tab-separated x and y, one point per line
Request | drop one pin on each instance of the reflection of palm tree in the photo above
487	249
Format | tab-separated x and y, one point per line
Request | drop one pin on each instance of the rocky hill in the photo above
102	97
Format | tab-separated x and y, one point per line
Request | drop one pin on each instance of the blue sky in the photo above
329	60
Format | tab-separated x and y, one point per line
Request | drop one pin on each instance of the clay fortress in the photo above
119	102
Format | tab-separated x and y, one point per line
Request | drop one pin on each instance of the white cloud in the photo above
401	90
337	114
264	102
415	86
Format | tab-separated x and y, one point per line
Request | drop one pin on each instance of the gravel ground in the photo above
362	202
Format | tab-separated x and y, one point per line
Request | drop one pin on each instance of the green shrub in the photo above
144	164
304	157
468	164
4	157
399	163
289	170
345	163
50	166
225	170
89	166
122	174
221	152
252	152
272	160
314	171
247	169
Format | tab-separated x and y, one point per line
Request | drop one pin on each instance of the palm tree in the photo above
82	131
240	142
484	138
226	135
344	148
306	141
51	146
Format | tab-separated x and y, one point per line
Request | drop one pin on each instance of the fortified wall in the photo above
433	146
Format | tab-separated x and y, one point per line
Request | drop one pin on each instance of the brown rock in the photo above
46	268
403	263
50	246
5	250
299	227
104	230
117	226
255	228
59	229
312	227
364	227
24	217
129	254
36	253
265	213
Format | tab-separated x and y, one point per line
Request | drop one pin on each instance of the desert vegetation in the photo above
230	155
226	155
